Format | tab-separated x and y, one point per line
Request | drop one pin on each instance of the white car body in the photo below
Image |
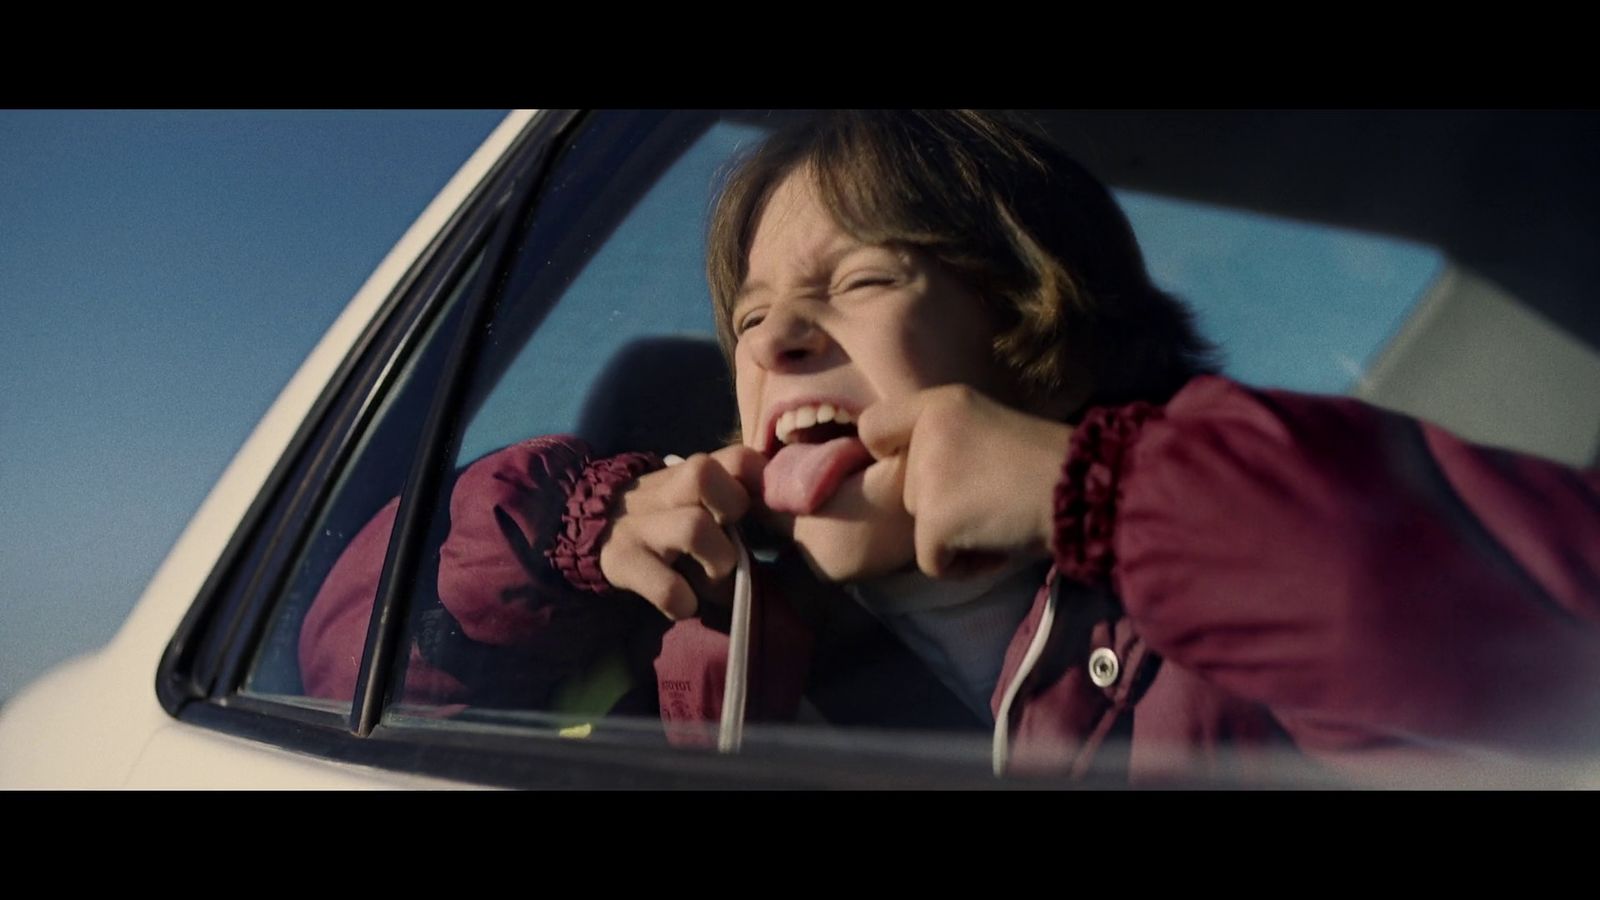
95	721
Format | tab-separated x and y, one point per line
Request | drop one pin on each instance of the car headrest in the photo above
662	394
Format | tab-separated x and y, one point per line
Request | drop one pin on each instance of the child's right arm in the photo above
539	528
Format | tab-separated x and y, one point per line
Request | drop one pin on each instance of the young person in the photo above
962	399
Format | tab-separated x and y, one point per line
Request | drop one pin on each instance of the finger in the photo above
909	483
931	556
663	588
940	541
932	542
886	426
693	533
703	481
647	493
709	593
972	563
744	464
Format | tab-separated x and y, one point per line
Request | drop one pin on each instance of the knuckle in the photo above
722	563
957	393
693	525
698	468
683	603
703	528
949	401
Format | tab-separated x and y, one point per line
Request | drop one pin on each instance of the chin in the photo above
862	531
840	550
853	540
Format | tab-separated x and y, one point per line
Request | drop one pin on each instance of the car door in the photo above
566	297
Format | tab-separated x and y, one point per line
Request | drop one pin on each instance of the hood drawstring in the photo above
735	688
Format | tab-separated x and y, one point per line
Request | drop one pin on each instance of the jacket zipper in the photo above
1002	722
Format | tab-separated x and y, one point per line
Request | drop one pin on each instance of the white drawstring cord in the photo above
730	732
735	688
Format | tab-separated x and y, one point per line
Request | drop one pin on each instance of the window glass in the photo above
317	631
1295	305
602	343
605	333
646	280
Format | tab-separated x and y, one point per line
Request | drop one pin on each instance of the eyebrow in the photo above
746	289
828	262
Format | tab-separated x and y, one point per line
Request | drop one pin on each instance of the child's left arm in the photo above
1365	575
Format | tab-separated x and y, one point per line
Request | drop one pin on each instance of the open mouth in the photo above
816	434
814	449
809	423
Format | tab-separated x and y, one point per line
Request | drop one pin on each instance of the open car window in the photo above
311	651
597	327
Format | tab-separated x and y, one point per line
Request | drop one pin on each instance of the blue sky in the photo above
162	274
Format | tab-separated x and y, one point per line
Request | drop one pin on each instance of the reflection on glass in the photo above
318	630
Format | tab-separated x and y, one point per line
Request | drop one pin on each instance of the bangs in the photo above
1019	222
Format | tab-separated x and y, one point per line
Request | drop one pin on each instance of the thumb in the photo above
744	464
885	427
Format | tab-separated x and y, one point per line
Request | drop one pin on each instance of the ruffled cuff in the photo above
1086	496
576	552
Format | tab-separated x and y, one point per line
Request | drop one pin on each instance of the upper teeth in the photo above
807	416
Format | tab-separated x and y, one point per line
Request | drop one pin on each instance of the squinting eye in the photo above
869	281
748	322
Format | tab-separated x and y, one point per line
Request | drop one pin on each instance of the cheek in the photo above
937	341
862	532
748	394
930	359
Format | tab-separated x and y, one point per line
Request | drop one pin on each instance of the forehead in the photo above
795	235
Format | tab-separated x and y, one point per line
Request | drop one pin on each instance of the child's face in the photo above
823	318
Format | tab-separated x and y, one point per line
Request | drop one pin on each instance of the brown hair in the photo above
1020	222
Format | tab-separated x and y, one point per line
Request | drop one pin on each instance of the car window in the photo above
600	342
646	280
1296	305
613	344
605	334
314	639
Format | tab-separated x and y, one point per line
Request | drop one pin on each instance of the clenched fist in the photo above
978	477
667	542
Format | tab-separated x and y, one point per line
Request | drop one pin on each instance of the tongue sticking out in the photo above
803	476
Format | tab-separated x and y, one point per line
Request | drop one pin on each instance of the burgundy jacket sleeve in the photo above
334	632
518	569
1368	577
520	566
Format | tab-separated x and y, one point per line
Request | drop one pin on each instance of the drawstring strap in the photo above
735	688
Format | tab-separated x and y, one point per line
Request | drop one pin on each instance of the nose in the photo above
789	338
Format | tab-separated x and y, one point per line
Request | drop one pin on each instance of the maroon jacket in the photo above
1241	572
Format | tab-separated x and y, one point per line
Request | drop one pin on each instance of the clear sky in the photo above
162	274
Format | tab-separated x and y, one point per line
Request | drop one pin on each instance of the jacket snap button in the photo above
1103	667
